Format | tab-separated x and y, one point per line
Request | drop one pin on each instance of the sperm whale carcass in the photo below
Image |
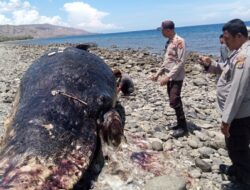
66	100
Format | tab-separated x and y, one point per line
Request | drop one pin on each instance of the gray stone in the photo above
206	151
163	136
204	166
217	143
156	145
166	182
201	136
193	143
168	145
195	173
199	82
178	143
222	152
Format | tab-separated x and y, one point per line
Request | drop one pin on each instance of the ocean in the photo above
203	39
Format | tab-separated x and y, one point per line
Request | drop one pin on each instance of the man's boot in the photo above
227	170
173	127
181	130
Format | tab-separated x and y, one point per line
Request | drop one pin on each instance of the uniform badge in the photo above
240	62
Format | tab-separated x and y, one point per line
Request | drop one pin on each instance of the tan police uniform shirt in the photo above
233	86
174	59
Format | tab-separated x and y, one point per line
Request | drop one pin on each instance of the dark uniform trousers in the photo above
238	148
174	94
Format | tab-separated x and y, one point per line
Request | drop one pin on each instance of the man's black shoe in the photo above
235	186
173	127
227	170
180	132
231	173
224	169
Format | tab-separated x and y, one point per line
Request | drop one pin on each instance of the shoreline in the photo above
147	117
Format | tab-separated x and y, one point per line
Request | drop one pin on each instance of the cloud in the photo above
33	17
222	12
10	6
4	19
19	12
79	15
82	15
241	10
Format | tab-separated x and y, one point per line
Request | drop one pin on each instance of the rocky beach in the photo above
148	158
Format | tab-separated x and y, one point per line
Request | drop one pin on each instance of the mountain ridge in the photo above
39	31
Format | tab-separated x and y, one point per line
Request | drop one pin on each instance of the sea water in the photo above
203	39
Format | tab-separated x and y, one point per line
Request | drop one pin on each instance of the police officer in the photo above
233	97
173	74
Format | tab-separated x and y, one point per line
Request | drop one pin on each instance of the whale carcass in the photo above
66	100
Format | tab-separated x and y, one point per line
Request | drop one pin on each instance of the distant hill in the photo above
38	31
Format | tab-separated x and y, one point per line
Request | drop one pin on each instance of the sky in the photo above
108	16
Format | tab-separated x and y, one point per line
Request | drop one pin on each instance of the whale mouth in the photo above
94	169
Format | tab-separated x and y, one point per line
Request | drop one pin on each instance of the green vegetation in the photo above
6	38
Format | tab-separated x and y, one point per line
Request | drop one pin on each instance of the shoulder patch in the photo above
240	61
